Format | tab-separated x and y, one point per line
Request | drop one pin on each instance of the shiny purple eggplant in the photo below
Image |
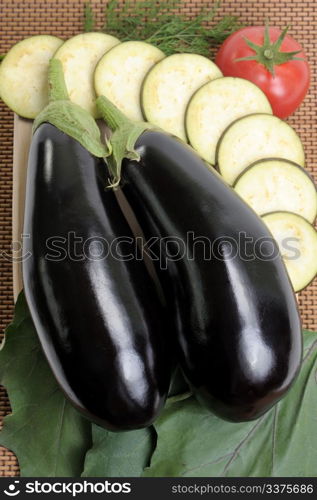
235	314
97	313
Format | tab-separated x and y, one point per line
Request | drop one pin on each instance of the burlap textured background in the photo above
20	19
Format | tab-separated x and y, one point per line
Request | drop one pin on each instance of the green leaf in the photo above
123	454
127	453
283	442
49	437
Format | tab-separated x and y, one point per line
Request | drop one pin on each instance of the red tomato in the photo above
286	84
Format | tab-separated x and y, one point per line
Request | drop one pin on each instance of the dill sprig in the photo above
89	18
161	24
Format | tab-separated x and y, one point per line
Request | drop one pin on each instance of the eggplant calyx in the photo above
69	117
269	54
125	133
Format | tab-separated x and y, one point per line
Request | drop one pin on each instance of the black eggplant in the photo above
96	311
236	316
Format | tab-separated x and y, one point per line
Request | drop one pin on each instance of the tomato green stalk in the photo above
269	54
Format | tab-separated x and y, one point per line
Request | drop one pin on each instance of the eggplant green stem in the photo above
68	116
57	90
112	115
125	134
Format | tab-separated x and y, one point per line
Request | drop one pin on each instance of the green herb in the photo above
161	24
2	56
89	18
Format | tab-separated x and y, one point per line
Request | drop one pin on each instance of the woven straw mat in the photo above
20	19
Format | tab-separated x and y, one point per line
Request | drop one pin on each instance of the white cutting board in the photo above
21	145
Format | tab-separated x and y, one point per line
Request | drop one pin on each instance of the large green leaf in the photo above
49	437
124	454
283	442
119	454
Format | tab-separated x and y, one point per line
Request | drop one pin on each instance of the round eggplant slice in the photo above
120	73
253	138
215	106
297	240
169	86
24	74
274	185
79	56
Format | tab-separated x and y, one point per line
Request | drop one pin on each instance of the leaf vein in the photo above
235	452
274	437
